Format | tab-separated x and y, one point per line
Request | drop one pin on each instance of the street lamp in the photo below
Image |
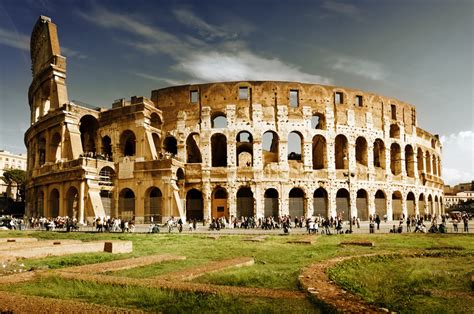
349	175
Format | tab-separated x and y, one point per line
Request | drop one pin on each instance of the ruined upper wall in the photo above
44	45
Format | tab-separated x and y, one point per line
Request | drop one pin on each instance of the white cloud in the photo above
364	68
345	9
159	79
458	157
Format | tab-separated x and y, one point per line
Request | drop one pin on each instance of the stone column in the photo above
371	202
82	187
207	204
309	206
308	154
332	208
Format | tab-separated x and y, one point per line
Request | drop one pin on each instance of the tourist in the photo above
377	221
371	225
455	224
465	220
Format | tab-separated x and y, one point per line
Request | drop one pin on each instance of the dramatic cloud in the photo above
364	68
458	157
344	9
200	61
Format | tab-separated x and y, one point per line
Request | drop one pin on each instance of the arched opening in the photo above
88	126
436	206
421	204
320	202
343	201
107	198
428	162
128	143
270	149
40	204
126	210
219	203
430	204
155	120
106	176
194	205
318	121
395	159
411	204
435	165
54	203
107	147
419	160
397	210
271	203
244	147
245	202
379	154
361	151
42	151
319	152
362	205
219	150
296	202
55	147
341	152
193	153
153	205
157	144
295	146
180	174
218	120
72	202
395	131
380	203
409	161
171	145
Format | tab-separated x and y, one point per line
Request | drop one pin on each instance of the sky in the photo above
418	51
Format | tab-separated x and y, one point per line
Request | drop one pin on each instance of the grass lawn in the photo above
277	266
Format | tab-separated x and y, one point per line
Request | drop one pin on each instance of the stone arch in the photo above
428	162
157	144
153	205
411	204
379	154
436	206
193	153
219	203
397	210
394	131
171	145
271	203
319	152
155	120
180	174
421	204
40	204
395	159
295	140
88	126
318	121
362	202
361	151
296	202
107	147
72	202
194	205
430	204
55	147
341	152
106	176
270	147
409	161
42	151
343	201
126	210
320	202
218	120
128	143
244	148
419	160
219	150
245	202
380	203
54	199
434	166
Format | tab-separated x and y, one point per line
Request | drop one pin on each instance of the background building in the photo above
10	161
260	148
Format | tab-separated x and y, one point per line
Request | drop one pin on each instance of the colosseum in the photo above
248	148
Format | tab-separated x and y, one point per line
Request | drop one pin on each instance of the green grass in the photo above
277	265
434	283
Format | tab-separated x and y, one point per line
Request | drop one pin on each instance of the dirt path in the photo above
18	303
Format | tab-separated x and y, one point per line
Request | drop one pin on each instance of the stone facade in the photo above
225	149
10	161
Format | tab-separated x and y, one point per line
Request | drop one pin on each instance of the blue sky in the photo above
419	51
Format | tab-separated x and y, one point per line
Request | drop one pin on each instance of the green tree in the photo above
15	178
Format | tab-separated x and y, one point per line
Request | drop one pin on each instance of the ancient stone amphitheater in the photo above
258	148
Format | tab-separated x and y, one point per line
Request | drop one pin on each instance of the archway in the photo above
55	147
419	160
72	202
106	176
295	146
54	203
422	205
430	205
341	152
271	203
361	151
153	205
88	128
318	121
411	204
194	205
155	120
395	159
171	145
107	198
343	201
428	163
296	203
436	206
380	203
319	152
219	203
193	153
42	151
395	131
40	204
397	210
244	148
320	203
157	144
128	143
379	154
270	148
245	203
107	147
218	120
126	210
219	150
362	205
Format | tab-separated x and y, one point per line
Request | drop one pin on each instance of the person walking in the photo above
465	219
377	221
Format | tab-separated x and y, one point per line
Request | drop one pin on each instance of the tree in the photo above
15	178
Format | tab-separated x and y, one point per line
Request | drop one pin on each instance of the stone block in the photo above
118	247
